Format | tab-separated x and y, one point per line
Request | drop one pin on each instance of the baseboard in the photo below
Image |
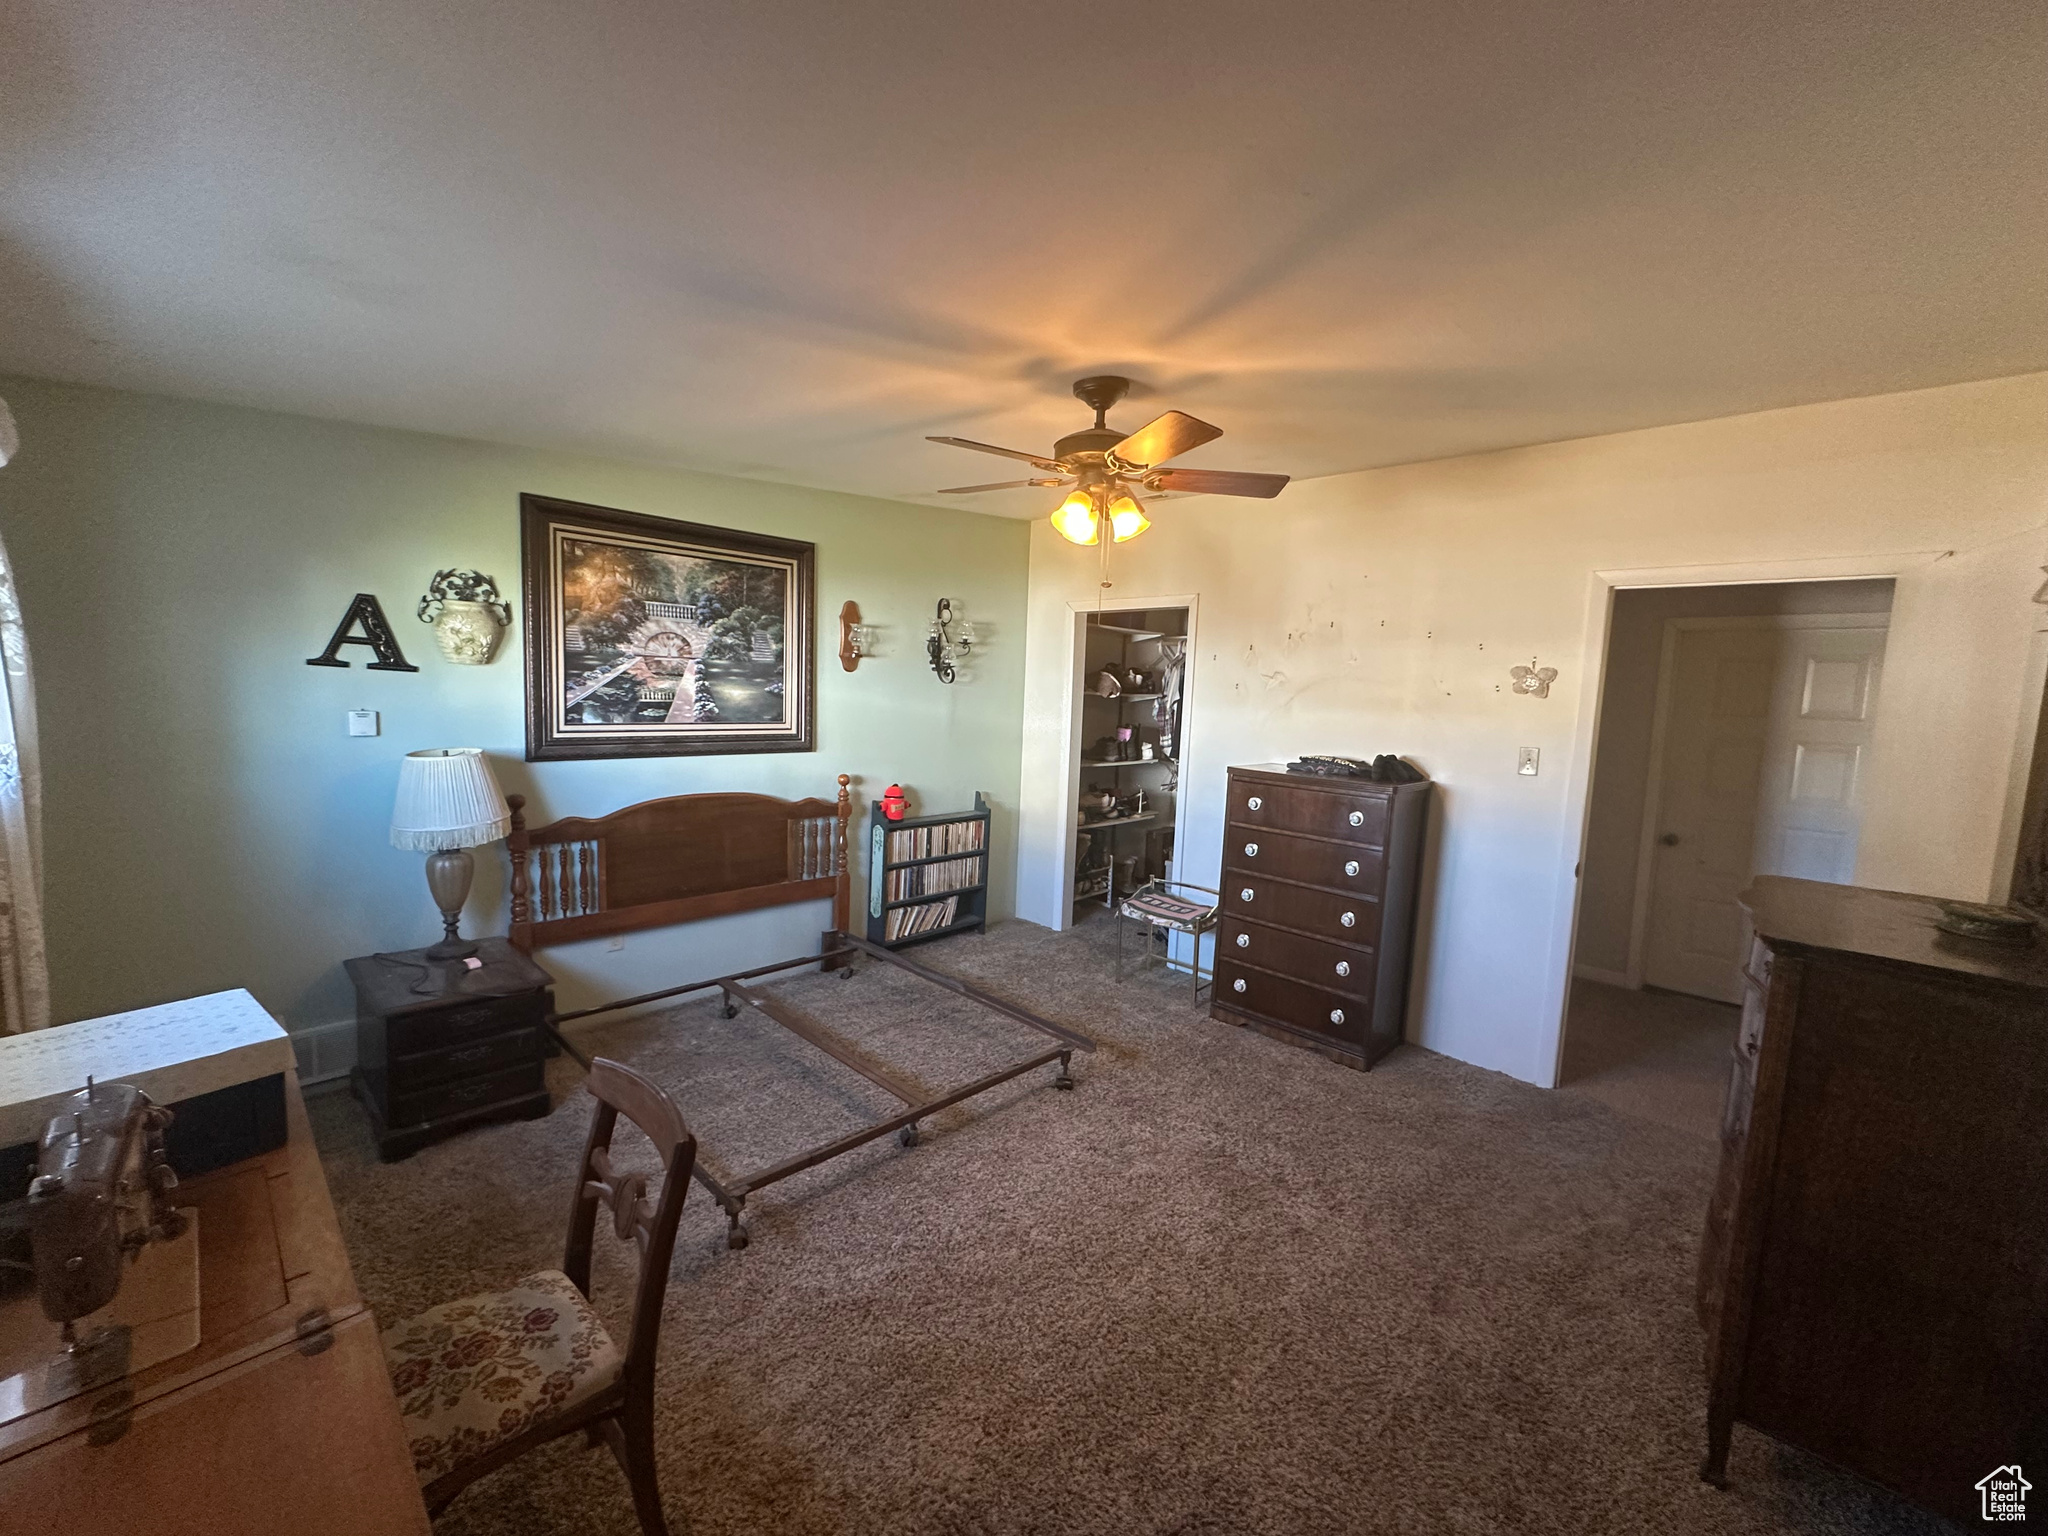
1602	975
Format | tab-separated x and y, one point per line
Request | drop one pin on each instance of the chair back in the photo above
651	1224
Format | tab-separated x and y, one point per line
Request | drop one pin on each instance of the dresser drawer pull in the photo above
473	1053
1245	894
1351	866
1336	1015
1244	941
1237	985
1253	804
1251	850
1358	818
469	1091
1349	919
1343	967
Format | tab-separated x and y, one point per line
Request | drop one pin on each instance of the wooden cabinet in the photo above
440	1047
1874	1275
1319	886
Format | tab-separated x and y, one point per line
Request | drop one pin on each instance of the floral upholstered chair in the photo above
485	1379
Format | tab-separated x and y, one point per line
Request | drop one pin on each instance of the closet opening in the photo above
1124	761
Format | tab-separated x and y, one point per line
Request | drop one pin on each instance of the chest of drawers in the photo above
1319	888
439	1047
1874	1274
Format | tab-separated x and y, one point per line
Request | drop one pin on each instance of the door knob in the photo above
1669	840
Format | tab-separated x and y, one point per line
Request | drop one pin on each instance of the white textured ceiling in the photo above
789	240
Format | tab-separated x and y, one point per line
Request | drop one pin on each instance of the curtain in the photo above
24	973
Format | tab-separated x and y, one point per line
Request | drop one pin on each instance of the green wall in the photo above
208	821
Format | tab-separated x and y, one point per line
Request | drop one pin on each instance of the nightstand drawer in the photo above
1349	971
430	1029
1285	1001
412	1073
464	1094
1353	818
1353	920
1283	856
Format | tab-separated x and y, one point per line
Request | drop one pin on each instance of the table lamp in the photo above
448	803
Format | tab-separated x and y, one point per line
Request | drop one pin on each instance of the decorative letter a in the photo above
376	635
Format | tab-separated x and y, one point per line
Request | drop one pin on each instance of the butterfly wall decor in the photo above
1533	680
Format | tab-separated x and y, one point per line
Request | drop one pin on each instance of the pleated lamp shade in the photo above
447	799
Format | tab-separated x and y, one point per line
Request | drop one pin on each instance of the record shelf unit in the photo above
927	875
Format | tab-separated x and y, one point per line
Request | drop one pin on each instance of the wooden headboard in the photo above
675	861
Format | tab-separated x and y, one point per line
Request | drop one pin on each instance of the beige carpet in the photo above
1659	1056
1223	1287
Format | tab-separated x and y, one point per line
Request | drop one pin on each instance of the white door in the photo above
1810	805
1766	728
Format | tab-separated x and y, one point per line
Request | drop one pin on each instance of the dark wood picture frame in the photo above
551	732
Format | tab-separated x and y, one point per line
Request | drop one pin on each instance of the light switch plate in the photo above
362	722
1525	761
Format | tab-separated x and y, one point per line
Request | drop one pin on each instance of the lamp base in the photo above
448	876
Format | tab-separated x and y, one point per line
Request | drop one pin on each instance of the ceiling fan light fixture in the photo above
1076	521
1127	518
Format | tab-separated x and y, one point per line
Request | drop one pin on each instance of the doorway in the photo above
1124	770
1734	725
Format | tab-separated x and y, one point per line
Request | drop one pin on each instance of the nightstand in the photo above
440	1047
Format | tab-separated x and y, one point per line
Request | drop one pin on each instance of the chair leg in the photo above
634	1446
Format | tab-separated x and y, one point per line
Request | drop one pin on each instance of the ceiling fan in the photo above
1107	468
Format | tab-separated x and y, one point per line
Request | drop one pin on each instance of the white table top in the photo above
171	1052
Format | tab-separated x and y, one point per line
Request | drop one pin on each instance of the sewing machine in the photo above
256	1404
93	1216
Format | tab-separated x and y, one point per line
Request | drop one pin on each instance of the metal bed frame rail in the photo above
839	947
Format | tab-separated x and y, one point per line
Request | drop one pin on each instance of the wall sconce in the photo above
855	638
945	645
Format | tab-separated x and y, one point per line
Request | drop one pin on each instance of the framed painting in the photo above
647	637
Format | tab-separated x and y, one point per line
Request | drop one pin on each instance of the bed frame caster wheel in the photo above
731	1010
846	973
1065	1081
736	1236
907	1136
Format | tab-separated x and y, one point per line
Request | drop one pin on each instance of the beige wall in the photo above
1628	701
1381	611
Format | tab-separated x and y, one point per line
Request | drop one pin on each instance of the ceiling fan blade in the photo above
1008	453
1217	482
1170	436
1000	485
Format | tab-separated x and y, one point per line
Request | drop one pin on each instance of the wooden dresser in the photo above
1874	1275
1319	887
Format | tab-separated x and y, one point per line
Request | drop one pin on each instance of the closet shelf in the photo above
1124	762
1117	821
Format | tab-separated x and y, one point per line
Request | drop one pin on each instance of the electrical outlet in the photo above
616	941
1525	761
362	722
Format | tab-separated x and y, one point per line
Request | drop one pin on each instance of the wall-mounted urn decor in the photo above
467	614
